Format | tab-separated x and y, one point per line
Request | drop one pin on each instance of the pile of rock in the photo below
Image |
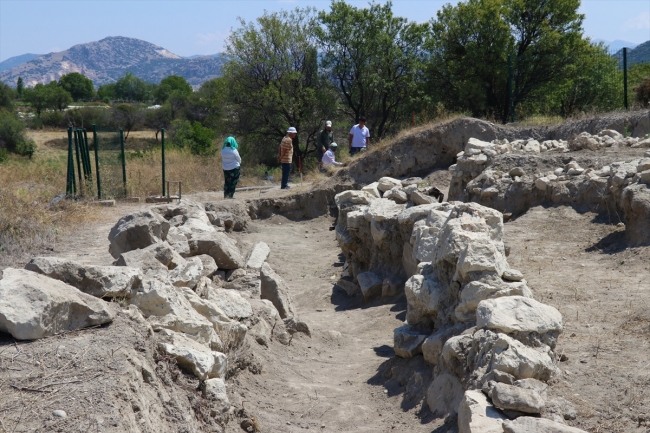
605	138
469	315
179	273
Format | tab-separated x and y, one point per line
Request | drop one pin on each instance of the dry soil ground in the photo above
334	381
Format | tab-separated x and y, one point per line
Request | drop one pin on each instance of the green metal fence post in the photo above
511	111
95	145
76	150
123	160
625	77
70	177
87	153
162	132
82	152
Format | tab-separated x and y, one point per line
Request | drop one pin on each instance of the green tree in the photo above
12	134
128	118
106	92
132	88
58	97
6	96
469	46
274	82
374	57
193	136
49	96
158	118
171	84
79	86
20	86
210	103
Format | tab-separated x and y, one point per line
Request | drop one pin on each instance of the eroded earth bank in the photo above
359	304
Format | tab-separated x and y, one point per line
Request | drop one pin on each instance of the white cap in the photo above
292	129
328	123
332	144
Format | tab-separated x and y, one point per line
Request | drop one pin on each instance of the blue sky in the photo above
200	27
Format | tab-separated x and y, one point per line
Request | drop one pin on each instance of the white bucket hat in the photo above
332	144
292	129
328	123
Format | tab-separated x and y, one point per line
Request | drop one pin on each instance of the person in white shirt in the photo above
231	163
329	157
359	137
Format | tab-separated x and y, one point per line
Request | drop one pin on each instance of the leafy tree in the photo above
469	44
128	118
132	88
193	136
169	85
106	92
158	119
274	82
642	91
20	86
12	134
210	103
6	96
58	97
79	86
374	58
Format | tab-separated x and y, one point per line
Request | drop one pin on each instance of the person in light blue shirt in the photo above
359	138
231	163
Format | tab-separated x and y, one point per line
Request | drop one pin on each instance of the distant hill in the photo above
640	54
616	45
107	60
196	56
12	62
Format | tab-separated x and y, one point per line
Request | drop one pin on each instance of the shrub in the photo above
12	130
54	119
193	136
26	148
4	155
643	92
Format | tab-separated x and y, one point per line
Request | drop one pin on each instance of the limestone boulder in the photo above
194	357
372	189
352	197
209	265
386	183
370	284
477	415
257	255
34	306
636	208
215	391
137	230
407	341
444	395
178	241
382	210
509	397
276	290
482	254
520	316
98	281
527	424
349	286
476	291
234	305
219	246
187	274
153	260
397	194
424	296
521	361
434	343
420	198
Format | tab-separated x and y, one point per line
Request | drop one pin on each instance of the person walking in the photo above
231	163
359	137
329	158
286	156
325	138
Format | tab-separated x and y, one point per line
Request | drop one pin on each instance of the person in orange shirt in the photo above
286	156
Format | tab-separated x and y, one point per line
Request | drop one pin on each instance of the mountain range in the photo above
107	60
640	54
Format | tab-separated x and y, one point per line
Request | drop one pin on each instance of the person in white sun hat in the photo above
325	138
329	158
285	155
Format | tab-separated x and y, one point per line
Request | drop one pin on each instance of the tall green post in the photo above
76	151
162	132
625	77
87	155
511	111
95	145
123	160
69	184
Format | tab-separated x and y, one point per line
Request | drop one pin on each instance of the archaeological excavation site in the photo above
465	277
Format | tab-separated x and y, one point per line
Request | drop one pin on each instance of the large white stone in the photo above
482	254
518	314
137	230
231	303
99	281
219	246
215	390
370	284
194	357
397	194
509	397
444	395
476	144
424	296
407	342
386	183
522	362
527	424
257	255
372	189
476	291
477	415
353	197
187	274
34	306
383	209
276	290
